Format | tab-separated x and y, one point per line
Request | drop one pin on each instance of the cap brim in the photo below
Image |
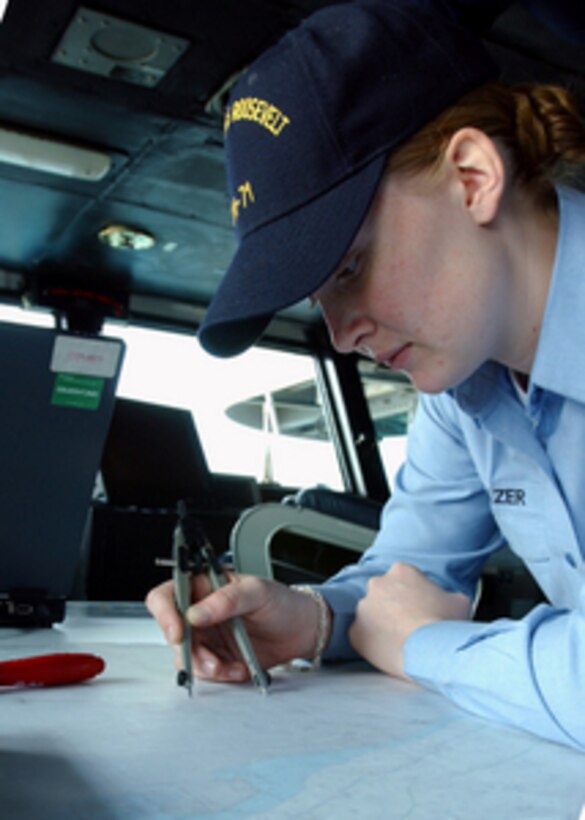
285	261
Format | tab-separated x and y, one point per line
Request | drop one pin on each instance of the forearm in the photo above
529	673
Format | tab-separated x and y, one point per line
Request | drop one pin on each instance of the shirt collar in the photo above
559	364
478	393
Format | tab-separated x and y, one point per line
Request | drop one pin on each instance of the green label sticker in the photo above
71	390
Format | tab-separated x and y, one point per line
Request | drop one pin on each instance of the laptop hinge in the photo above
30	608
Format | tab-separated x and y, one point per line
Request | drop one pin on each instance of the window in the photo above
392	402
256	414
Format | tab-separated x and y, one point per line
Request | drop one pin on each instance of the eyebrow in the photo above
343	263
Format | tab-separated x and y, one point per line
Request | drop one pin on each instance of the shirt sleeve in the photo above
438	519
528	673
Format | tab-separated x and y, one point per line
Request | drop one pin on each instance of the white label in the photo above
88	357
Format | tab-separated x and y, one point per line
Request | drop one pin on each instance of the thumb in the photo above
219	606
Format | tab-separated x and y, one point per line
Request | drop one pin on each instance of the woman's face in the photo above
423	287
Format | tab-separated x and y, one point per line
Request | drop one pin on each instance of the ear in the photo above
479	172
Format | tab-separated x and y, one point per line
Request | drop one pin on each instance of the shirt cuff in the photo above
342	605
428	652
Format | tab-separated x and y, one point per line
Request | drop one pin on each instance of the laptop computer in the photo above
56	402
153	457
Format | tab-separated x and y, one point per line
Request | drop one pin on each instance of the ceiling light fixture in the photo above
44	153
122	237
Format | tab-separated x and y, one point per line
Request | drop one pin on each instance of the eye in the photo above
349	270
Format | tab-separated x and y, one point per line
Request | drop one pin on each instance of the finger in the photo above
209	666
160	602
200	586
241	596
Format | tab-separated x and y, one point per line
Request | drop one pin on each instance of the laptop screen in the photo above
153	457
56	401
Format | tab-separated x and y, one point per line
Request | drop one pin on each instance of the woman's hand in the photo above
282	624
397	604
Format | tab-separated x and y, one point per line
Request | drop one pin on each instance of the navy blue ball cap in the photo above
308	130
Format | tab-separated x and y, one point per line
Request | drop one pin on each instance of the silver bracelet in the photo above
324	625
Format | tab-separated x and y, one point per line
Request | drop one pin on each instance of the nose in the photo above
349	330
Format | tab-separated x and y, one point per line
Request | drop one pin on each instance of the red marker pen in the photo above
59	669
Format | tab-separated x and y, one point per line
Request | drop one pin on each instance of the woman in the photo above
459	260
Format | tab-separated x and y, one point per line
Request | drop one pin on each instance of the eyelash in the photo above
348	271
344	274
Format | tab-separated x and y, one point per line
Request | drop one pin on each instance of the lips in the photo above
397	359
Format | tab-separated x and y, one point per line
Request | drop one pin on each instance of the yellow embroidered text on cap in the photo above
246	197
256	110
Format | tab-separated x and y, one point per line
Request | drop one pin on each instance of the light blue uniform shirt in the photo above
482	469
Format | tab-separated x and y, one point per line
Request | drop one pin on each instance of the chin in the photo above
435	382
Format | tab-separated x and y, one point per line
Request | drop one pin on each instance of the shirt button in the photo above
570	559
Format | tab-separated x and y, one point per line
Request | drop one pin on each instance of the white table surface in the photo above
340	743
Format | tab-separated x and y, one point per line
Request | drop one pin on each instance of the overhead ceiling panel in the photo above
145	82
